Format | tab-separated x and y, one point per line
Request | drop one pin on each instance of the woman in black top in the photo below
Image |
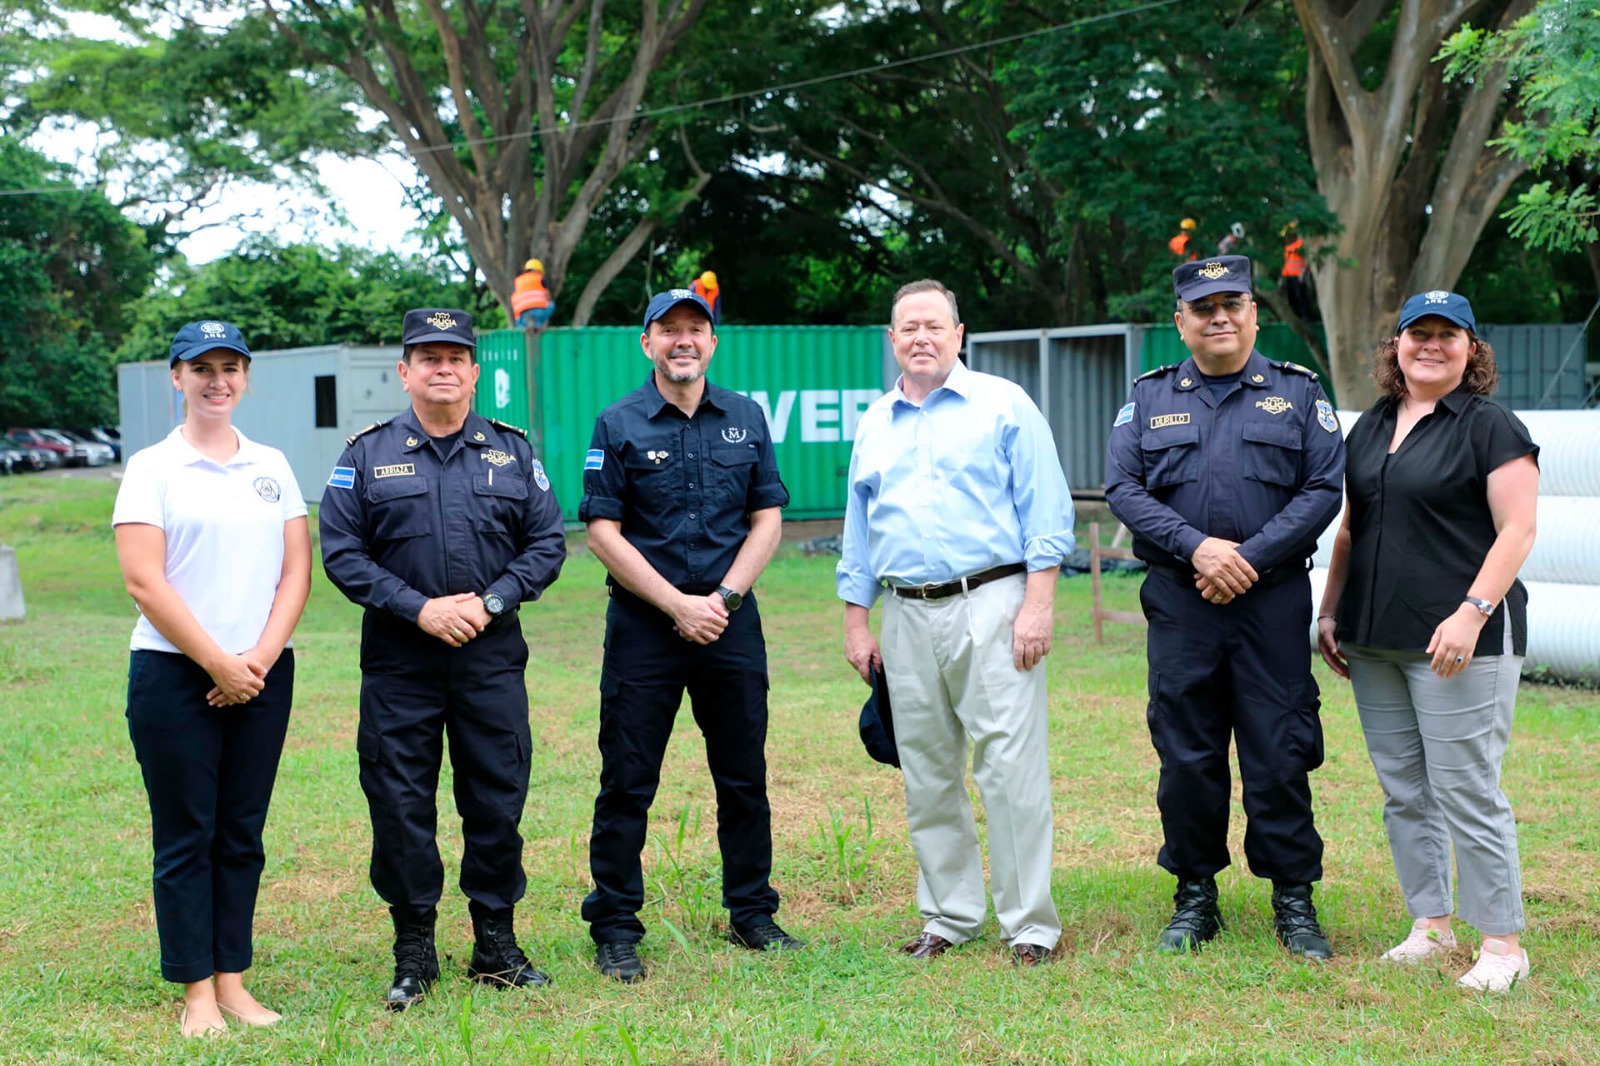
1424	614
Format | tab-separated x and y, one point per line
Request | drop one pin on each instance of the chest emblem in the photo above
1326	418
268	489
1275	405
397	470
1162	421
735	436
497	457
655	456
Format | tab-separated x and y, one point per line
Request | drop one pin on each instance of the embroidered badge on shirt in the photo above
1326	418
411	442
1161	421
734	436
1275	405
397	470
539	476
268	489
498	457
594	459
343	477
1185	383
478	435
1124	416
655	456
1258	378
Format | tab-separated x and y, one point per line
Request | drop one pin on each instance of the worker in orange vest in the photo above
705	287
531	304
1180	243
1293	276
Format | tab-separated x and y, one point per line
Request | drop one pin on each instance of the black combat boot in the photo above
496	958
416	965
1196	918
1294	918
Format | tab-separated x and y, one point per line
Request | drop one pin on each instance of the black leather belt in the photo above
961	584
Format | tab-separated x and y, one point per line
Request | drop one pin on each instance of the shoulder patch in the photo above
1158	371
507	427
343	477
351	439
1124	416
1296	367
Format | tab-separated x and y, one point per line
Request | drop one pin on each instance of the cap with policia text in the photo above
440	325
1224	273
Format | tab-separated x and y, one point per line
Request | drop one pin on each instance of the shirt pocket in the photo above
1272	453
653	483
399	508
1171	456
732	469
497	503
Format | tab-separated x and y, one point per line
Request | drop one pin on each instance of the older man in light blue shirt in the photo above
958	504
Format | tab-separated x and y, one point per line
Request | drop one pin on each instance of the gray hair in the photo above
926	285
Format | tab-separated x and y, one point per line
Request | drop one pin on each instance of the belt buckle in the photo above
927	588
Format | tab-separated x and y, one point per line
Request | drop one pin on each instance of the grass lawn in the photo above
78	975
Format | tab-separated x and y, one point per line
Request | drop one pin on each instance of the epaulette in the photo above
518	430
351	439
1296	367
1158	370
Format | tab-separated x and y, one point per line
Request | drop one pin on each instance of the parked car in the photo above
106	435
37	438
13	460
32	458
100	453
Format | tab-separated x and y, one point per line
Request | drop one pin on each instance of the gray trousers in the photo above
1437	745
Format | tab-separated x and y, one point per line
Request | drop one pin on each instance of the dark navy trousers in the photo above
417	693
647	669
209	773
1239	670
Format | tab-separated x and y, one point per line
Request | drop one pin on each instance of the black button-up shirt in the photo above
1420	524
1259	465
683	488
401	526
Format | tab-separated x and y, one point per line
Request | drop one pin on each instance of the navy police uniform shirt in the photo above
683	488
400	526
1262	465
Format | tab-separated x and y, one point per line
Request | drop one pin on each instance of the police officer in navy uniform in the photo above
682	500
1226	468
441	523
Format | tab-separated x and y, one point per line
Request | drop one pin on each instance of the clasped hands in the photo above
1221	573
454	619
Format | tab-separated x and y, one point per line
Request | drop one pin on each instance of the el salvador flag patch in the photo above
1124	416
343	477
594	459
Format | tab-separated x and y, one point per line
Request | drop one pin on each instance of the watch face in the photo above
731	599
494	604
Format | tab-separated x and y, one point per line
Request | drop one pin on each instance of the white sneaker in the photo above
1424	942
1496	968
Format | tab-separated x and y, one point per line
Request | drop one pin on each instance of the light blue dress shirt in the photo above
967	480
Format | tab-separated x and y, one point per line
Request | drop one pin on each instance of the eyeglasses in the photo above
1233	305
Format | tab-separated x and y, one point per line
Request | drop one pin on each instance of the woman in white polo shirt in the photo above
212	539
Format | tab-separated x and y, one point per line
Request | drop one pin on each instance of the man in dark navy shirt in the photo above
1226	468
440	523
682	500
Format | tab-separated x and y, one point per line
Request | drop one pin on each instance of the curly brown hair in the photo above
1481	375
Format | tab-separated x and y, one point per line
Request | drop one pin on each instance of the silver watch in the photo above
1484	607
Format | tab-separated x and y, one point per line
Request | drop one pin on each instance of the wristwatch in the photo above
494	605
1484	607
730	599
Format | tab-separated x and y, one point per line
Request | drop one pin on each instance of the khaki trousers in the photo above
952	682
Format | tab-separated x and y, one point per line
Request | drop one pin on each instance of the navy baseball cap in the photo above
1447	305
198	338
662	302
444	325
877	723
1224	273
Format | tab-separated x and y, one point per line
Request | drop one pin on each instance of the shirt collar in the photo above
654	402
474	431
249	451
1256	373
958	381
1456	400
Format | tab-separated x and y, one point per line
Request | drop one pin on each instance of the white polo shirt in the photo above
224	526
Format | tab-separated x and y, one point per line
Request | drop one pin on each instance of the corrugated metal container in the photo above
503	382
302	401
1541	367
813	382
1078	376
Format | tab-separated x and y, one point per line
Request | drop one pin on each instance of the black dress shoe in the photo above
1294	919
1196	918
496	958
1030	954
416	965
764	935
926	946
620	959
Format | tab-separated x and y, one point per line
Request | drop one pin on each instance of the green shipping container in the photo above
1275	340
813	382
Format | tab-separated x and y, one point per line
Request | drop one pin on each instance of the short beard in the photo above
683	377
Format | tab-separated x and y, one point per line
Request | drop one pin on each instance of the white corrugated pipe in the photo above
1563	627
